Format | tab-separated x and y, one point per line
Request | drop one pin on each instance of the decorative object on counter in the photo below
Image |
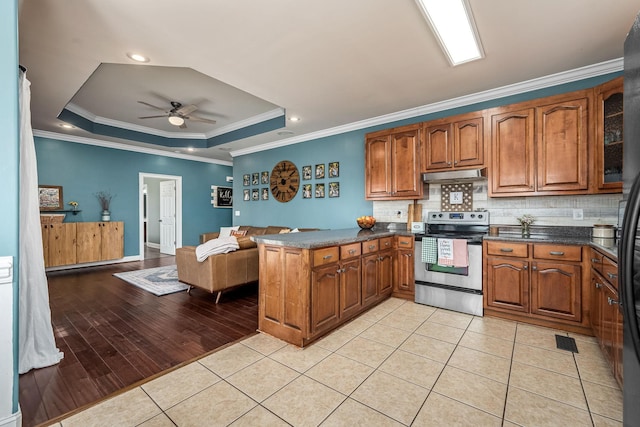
525	222
366	222
104	198
605	231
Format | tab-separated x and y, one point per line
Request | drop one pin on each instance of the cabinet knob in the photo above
372	247
595	260
612	276
327	257
598	285
409	255
525	267
352	251
611	301
534	268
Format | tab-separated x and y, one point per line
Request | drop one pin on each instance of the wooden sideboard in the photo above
81	242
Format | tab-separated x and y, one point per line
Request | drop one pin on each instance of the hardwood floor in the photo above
114	335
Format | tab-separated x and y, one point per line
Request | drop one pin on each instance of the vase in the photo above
525	230
106	216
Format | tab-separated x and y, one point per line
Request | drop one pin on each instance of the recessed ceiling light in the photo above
66	126
285	132
294	119
454	27
191	149
137	57
224	148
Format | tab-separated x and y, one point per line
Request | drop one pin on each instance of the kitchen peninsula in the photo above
310	283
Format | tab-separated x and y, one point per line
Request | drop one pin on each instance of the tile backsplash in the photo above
547	210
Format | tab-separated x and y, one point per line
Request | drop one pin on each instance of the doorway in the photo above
160	222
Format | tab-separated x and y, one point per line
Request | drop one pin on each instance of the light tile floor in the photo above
398	364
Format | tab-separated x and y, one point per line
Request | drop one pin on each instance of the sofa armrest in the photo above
205	237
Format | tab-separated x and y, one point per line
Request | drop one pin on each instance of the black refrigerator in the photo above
629	245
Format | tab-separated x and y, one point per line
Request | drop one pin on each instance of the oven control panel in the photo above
470	218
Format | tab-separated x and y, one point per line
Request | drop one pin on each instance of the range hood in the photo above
463	175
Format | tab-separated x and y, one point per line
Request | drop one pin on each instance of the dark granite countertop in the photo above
320	239
558	235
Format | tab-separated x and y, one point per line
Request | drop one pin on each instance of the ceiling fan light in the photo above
176	120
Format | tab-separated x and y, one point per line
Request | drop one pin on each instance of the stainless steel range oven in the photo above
457	288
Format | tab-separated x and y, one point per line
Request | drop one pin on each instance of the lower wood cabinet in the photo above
81	242
536	283
606	312
305	293
59	244
404	268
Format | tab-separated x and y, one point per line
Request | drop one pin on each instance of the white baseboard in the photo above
13	420
94	264
153	245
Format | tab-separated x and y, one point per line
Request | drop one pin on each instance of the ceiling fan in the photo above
178	114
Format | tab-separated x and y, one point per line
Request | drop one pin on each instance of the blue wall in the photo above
82	170
348	149
9	163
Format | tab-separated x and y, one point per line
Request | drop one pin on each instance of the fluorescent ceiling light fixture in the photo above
176	120
453	25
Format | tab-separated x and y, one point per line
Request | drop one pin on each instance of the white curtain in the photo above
37	347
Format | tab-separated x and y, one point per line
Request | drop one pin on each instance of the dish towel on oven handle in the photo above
445	251
430	250
460	253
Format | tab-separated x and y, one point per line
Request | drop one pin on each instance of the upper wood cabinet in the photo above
392	164
609	137
541	147
454	142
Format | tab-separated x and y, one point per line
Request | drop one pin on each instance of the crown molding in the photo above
254	120
564	77
125	147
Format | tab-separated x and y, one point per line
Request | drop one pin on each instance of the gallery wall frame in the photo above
50	197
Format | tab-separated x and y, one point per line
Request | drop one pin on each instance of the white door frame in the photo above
178	180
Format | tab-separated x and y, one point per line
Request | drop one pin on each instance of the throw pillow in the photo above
238	233
226	231
245	242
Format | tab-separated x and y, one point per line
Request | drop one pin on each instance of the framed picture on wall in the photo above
264	177
306	172
320	171
255	179
50	197
246	179
334	189
306	191
319	191
255	194
334	169
222	197
264	194
245	195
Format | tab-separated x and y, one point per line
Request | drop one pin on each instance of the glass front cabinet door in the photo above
609	136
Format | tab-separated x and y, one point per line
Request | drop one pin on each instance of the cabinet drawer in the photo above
520	250
405	242
610	272
557	252
325	256
596	260
386	243
350	251
370	246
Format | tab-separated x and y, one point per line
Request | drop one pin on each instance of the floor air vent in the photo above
566	343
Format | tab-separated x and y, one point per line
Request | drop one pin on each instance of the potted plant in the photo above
104	198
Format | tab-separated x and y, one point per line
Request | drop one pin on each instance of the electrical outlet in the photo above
237	213
398	214
578	214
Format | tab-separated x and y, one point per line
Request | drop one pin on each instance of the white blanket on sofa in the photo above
221	245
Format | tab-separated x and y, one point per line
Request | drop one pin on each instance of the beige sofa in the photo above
223	271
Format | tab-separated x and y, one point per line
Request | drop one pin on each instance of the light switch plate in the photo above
237	213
